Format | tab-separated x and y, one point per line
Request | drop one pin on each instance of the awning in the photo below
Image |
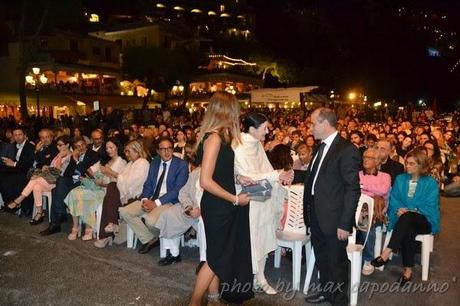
61	99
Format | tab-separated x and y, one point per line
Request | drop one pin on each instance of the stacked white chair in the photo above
427	248
354	251
294	235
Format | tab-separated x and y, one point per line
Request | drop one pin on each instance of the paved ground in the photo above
37	270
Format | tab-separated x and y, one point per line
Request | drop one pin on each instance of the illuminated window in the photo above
94	18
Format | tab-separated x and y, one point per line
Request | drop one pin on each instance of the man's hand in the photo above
39	146
148	205
342	234
8	162
286	177
402	211
195	213
244	180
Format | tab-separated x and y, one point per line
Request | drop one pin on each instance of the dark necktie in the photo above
156	193
314	168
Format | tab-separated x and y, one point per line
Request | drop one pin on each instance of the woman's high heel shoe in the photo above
73	235
38	218
88	235
102	243
13	209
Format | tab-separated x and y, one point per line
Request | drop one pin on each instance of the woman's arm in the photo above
211	148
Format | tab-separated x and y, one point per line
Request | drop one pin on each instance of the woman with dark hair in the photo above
251	161
122	190
44	180
434	158
413	210
179	144
405	146
280	157
83	200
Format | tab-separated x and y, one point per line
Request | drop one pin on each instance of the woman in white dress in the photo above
251	161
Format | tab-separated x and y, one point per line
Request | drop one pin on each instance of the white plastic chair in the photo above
294	235
170	244
46	200
427	248
131	239
98	220
354	251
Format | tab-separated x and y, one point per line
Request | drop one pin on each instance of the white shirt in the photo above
163	188
328	142
19	146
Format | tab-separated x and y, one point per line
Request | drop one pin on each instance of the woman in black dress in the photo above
225	214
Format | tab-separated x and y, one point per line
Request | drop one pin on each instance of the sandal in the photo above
38	218
73	235
88	235
13	209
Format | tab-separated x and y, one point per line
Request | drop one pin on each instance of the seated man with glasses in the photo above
167	175
377	185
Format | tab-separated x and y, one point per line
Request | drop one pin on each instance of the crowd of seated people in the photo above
144	175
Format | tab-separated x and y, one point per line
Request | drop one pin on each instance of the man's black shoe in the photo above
52	229
168	260
146	247
316	298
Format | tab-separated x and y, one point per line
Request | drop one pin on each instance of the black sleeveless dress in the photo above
227	232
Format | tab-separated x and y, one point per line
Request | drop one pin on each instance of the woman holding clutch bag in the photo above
251	161
44	180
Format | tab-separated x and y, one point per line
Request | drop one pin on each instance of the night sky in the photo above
401	50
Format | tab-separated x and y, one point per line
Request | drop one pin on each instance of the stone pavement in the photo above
36	270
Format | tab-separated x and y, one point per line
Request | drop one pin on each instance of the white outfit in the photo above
251	161
131	180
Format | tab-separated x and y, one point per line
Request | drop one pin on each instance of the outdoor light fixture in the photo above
351	95
35	79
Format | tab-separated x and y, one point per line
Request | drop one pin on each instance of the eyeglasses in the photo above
369	157
411	164
165	149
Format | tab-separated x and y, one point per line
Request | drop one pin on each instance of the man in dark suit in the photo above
45	150
167	175
331	196
98	145
388	165
82	159
15	170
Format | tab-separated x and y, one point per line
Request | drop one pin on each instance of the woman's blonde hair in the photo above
222	116
137	147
